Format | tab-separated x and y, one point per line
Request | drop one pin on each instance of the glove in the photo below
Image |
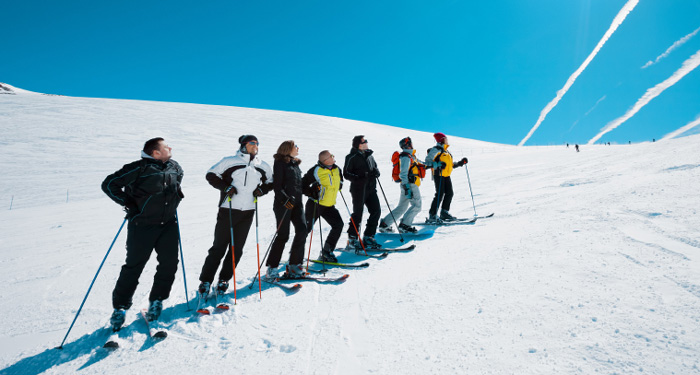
180	193
230	191
462	162
289	204
407	191
315	190
374	173
131	208
441	165
258	192
341	186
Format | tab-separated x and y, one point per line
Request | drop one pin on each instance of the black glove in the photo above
180	193
258	192
131	208
407	191
341	186
230	191
315	190
462	162
441	165
289	204
374	173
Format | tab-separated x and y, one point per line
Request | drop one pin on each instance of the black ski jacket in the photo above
359	166
149	188
287	180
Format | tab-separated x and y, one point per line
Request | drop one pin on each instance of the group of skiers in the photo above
149	190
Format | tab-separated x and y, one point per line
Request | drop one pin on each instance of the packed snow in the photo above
591	263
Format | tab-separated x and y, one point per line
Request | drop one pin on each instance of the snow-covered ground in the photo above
591	263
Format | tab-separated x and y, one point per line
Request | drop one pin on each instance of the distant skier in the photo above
322	183
410	202
288	208
362	172
240	179
149	190
440	160
576	147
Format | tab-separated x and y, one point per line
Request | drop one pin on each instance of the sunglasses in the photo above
328	158
363	142
254	143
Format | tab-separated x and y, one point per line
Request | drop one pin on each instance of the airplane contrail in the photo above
682	130
687	67
675	45
626	9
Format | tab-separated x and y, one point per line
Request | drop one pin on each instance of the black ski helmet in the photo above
406	144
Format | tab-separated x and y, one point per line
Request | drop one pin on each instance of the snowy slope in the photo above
591	264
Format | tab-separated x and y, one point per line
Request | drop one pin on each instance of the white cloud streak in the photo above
687	67
626	9
682	130
675	45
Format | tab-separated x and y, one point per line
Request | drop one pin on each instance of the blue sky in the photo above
483	70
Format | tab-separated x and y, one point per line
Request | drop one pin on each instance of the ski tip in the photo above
111	345
223	306
203	312
160	335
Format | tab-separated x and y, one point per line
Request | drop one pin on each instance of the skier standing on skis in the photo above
440	160
322	183
409	179
149	189
288	208
240	179
362	172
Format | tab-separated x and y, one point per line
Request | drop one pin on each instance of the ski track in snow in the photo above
591	263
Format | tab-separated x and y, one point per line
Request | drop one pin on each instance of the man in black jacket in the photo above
361	170
149	190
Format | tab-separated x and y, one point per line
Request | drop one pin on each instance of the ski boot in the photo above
445	216
370	243
117	319
271	274
221	287
434	219
327	255
383	228
154	310
294	271
403	228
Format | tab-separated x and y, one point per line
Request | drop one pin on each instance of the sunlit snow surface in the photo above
591	263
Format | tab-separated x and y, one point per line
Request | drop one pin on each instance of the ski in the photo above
397	249
320	279
288	288
450	223
484	217
342	265
220	306
153	331
420	232
201	304
363	253
112	341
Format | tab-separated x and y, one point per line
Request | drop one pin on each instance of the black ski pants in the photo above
221	248
332	217
443	193
141	240
284	217
362	197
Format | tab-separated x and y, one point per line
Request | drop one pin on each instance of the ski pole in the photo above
268	249
182	257
91	284
353	223
470	189
233	252
390	211
311	240
438	198
257	243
